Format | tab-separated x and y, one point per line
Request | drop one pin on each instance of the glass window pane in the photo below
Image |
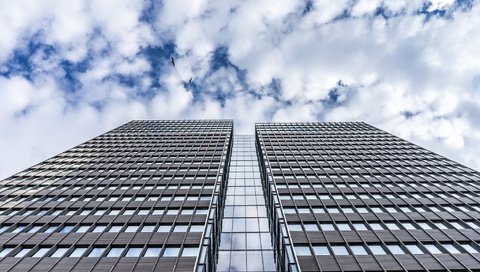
451	248
133	252
59	252
414	249
196	228
153	252
96	252
148	228
392	226
433	249
22	252
302	251
190	252
164	228
377	250
395	249
469	248
359	226
343	227
4	252
171	252
321	250
132	229
41	252
180	228
99	228
376	226
115	252
327	227
78	252
340	250
358	250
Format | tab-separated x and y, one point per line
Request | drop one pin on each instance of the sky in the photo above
70	70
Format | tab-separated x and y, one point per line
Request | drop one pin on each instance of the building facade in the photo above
350	197
190	196
142	197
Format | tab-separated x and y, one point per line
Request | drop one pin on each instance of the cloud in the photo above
72	70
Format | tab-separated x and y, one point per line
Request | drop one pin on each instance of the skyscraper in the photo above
190	196
350	197
142	197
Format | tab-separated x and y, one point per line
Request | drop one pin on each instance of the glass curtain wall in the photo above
245	243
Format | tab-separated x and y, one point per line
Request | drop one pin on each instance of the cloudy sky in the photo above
70	70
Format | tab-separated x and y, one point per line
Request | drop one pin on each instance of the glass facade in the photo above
245	243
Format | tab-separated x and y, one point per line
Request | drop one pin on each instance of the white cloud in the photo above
392	68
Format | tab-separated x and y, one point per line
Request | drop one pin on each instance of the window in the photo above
99	228
395	249
433	249
201	211
115	252
190	252
133	252
376	226
339	250
414	249
469	248
148	228
171	252
33	229
180	228
66	229
50	229
358	250
82	229
425	226
451	248
115	228
311	227
163	228
96	252
4	252
128	212
326	227
440	225
153	252
359	226
321	250
408	226
78	252
457	225
157	211
302	251
22	252
175	211
41	252
343	227
133	228
392	226
197	228
377	249
143	212
59	252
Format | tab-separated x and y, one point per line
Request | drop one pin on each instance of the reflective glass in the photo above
358	250
153	252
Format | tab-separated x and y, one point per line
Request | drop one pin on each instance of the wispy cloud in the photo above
70	70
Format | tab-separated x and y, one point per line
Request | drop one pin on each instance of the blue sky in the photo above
70	70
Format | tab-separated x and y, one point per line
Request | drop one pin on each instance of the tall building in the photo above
142	197
350	197
190	196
